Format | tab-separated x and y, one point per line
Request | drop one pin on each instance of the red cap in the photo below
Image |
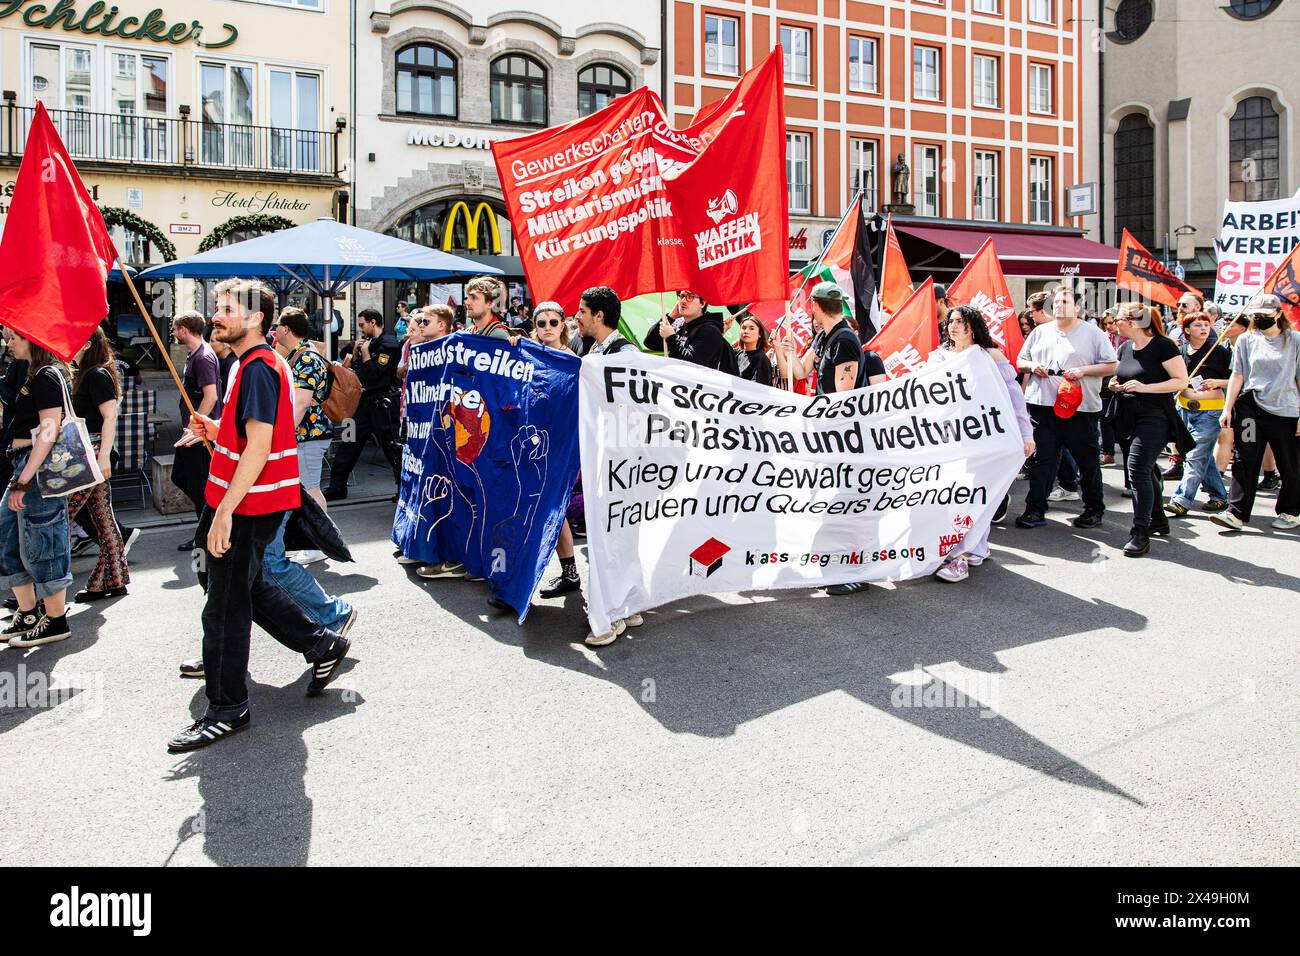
1068	398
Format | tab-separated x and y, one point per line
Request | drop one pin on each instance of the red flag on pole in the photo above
982	286
1143	273
56	253
621	198
906	341
895	280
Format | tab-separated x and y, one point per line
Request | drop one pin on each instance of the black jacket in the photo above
700	342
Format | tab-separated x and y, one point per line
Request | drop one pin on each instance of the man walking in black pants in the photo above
375	360
1078	352
252	483
203	385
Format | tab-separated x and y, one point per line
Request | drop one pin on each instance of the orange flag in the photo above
906	341
1143	273
1284	282
895	282
982	286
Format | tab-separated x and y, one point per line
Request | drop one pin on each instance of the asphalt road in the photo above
1065	705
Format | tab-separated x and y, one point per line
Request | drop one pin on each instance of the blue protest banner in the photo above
490	458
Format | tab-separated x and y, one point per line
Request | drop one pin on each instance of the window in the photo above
1135	179
518	90
598	86
985	204
1040	190
862	65
798	166
1132	19
1254	171
925	177
295	116
986	6
1040	11
984	83
426	81
226	114
721	46
1251	9
798	59
138	91
925	73
1040	88
862	169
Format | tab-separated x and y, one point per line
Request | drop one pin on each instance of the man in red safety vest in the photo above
253	481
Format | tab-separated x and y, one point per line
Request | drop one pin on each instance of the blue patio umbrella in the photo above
115	273
326	256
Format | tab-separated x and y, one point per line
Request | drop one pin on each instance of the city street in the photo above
1064	705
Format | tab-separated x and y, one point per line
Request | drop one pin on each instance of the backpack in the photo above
344	392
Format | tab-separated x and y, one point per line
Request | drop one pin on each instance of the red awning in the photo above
1030	254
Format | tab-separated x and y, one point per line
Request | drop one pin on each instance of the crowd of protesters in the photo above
1126	388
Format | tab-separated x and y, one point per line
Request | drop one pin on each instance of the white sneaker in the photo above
1286	522
404	560
1060	494
306	557
636	620
1226	519
600	640
953	571
131	539
975	560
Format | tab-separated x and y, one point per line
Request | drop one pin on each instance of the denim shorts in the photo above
311	461
34	544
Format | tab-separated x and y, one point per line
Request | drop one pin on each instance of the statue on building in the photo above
902	181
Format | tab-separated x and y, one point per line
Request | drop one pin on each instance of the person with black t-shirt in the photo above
692	333
842	364
375	361
1210	366
95	393
35	551
1151	370
751	353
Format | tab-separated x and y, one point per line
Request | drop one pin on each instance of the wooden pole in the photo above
162	347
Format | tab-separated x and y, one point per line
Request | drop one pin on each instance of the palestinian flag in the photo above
643	313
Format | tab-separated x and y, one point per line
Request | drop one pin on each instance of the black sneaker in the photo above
1174	508
87	596
47	631
1031	519
1270	482
205	731
852	587
1174	472
192	668
1214	506
322	672
334	494
561	585
81	545
189	545
1000	515
22	625
1089	519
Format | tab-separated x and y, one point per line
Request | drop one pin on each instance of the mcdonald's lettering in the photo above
471	227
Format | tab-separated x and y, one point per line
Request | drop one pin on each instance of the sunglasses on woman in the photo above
544	323
422	323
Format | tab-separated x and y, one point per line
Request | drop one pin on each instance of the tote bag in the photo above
71	465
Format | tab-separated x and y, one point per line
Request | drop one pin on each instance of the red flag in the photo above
906	341
621	198
1143	273
982	286
895	281
55	254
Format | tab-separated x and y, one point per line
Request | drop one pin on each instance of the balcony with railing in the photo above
130	139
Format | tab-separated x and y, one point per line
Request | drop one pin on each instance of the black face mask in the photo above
1265	322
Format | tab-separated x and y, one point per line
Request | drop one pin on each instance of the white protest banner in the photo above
1254	238
698	482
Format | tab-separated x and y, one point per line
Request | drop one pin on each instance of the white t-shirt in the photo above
1085	344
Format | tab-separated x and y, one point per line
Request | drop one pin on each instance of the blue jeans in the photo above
296	582
34	544
1199	469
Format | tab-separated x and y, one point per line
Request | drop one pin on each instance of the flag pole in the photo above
162	347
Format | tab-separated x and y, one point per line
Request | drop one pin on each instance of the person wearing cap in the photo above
1199	406
1151	371
842	364
1065	350
549	328
1263	407
692	333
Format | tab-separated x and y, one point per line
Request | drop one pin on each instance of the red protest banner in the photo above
620	198
906	341
983	286
56	253
1143	273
